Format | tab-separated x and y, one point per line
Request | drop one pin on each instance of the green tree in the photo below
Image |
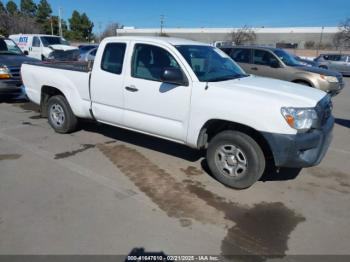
11	7
2	7
75	26
44	11
43	16
86	26
28	7
80	26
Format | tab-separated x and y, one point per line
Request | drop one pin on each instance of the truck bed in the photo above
72	66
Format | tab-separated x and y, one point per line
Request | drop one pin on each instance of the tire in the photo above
303	83
241	151
60	115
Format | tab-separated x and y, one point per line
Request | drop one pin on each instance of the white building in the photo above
265	36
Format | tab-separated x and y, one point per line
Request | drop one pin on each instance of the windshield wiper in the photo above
226	78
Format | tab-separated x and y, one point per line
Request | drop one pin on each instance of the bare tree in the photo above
342	38
243	35
111	30
13	24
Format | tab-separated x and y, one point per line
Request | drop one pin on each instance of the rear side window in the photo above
334	57
242	55
262	57
149	62
36	42
113	58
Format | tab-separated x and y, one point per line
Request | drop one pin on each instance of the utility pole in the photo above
51	22
100	30
60	22
319	45
162	18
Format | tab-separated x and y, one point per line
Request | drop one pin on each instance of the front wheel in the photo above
235	159
60	115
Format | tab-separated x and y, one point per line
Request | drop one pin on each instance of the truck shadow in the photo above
343	122
271	172
177	150
138	139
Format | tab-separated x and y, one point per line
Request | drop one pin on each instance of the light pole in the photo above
321	38
161	24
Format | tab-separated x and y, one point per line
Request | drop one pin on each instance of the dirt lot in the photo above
104	190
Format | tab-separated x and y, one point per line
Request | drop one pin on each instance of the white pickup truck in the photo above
190	93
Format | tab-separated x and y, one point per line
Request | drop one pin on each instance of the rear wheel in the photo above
60	115
235	159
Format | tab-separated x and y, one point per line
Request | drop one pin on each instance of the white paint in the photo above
178	114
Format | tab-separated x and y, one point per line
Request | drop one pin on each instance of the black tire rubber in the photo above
71	121
254	154
304	83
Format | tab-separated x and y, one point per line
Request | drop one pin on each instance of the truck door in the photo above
107	83
35	50
152	106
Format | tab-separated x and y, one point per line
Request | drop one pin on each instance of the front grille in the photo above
324	109
15	72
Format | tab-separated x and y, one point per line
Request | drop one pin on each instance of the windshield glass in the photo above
287	58
52	40
210	64
7	46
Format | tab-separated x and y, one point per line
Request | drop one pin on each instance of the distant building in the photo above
287	36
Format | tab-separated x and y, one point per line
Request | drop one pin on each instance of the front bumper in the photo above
332	89
10	87
301	150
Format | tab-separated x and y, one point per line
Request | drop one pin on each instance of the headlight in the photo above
4	73
301	119
330	79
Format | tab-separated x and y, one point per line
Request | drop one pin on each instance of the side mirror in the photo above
25	53
174	76
275	64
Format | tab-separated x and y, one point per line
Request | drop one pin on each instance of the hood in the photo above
286	93
15	60
63	47
319	71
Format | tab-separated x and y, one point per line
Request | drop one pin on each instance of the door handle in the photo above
254	68
131	89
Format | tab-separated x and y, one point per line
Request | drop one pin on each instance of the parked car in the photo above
88	56
279	64
337	62
86	48
11	59
306	62
61	55
40	46
193	94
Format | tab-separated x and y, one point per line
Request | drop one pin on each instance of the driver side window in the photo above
265	58
36	42
149	61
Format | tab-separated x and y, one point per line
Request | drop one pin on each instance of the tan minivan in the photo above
279	64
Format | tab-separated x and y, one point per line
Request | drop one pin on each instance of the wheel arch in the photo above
47	92
215	126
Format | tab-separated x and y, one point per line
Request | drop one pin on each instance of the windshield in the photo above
52	40
9	47
287	58
210	64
